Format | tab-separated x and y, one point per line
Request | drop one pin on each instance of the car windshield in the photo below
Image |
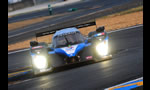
69	39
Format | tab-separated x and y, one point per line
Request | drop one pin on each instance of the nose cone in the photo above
71	51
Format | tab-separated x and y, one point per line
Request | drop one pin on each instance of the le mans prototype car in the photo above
69	46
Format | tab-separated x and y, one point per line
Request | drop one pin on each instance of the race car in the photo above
69	46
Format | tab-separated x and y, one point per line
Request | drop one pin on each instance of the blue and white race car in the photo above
69	46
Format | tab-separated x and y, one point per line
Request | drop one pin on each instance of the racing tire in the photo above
36	72
98	58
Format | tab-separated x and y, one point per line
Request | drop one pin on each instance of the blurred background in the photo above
19	4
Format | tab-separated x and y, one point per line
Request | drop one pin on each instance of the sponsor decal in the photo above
99	34
89	57
70	50
37	47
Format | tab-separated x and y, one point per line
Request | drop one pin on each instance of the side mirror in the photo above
100	29
33	43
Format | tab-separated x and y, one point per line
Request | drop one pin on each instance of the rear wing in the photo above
53	31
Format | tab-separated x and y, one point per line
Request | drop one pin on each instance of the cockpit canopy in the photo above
66	37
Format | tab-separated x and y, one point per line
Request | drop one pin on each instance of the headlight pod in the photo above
40	62
102	48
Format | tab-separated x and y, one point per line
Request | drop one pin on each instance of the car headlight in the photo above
102	48
40	62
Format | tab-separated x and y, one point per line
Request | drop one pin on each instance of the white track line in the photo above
126	28
18	51
108	32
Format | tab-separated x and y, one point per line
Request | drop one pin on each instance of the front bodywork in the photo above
68	46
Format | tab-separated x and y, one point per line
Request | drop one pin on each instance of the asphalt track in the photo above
127	64
88	11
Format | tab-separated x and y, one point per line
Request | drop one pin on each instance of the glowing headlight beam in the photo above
40	62
102	48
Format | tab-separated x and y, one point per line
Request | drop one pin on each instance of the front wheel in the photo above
98	57
101	58
37	72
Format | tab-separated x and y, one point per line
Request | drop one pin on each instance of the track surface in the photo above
87	11
127	64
